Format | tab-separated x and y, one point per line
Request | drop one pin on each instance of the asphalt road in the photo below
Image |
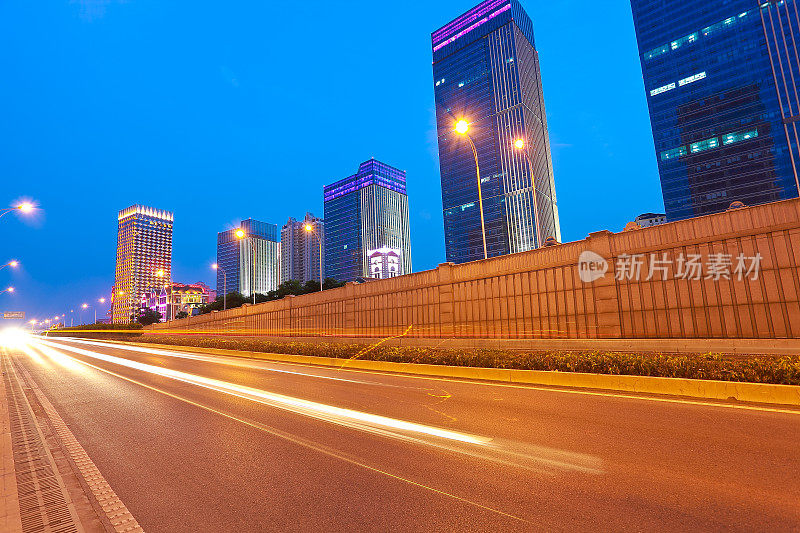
211	443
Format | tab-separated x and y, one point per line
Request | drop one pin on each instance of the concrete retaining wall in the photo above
540	294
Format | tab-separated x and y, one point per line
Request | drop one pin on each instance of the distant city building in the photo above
300	249
187	298
365	212
486	71
645	220
144	249
235	257
722	82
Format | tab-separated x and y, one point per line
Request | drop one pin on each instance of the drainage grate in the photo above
44	503
120	519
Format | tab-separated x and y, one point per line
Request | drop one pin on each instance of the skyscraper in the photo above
486	72
235	250
300	249
721	80
365	212
144	258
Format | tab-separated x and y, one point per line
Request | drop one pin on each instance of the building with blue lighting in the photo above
250	263
366	222
721	81
486	71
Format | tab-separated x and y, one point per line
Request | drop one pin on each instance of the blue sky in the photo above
223	111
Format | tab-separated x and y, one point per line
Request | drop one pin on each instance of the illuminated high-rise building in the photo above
486	72
236	256
364	213
144	258
300	249
722	81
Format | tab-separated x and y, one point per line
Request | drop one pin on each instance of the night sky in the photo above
220	111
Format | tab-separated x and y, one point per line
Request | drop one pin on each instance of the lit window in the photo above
675	153
692	79
656	52
662	89
702	146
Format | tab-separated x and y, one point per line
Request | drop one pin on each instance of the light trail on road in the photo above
520	455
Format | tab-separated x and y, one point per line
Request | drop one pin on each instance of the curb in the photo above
693	388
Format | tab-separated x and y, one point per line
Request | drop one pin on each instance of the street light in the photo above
10	289
160	273
84	306
519	144
215	266
25	207
310	229
13	264
241	234
462	128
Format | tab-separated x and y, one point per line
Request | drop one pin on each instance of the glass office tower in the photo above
300	249
722	82
144	250
236	256
486	71
364	214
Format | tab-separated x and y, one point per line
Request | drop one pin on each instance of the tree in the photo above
148	316
181	314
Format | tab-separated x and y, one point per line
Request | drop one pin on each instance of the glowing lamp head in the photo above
13	264
239	233
32	321
10	289
462	127
84	306
519	144
102	300
25	207
215	266
308	227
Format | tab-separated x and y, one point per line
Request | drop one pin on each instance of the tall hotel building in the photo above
486	71
721	81
144	247
366	224
300	249
235	257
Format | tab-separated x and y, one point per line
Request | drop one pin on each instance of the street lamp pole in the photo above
310	229
241	234
519	144
13	264
25	207
215	266
462	128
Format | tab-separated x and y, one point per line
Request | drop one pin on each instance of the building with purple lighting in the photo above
365	212
486	71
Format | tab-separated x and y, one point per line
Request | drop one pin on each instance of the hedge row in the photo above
757	369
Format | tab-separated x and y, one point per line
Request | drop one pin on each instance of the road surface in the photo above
193	442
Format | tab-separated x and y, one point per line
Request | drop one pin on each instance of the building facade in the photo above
646	220
300	249
365	212
721	81
249	263
186	298
486	72
144	258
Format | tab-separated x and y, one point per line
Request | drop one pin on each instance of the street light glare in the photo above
85	306
239	234
13	264
215	266
462	126
519	144
308	227
102	300
25	207
10	289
